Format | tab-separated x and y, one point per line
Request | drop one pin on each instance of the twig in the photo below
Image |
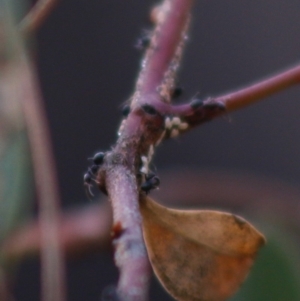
80	231
37	15
197	113
138	135
249	95
163	56
53	273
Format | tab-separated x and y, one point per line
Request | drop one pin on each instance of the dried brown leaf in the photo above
199	255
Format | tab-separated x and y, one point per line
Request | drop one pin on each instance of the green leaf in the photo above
16	184
276	273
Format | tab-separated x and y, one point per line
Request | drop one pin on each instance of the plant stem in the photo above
140	131
250	95
53	272
37	15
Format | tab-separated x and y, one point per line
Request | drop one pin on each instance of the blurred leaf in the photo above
16	184
198	254
276	273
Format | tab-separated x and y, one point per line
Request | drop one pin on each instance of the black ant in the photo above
152	182
126	110
89	176
149	109
176	92
199	103
143	41
196	103
98	158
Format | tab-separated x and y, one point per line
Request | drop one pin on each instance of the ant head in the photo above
149	109
126	110
143	41
196	103
87	178
98	158
176	92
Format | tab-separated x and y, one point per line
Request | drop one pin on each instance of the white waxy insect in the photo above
121	128
174	133
144	159
183	126
168	123
144	169
143	64
176	121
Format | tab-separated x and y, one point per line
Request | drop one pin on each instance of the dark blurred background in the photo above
87	66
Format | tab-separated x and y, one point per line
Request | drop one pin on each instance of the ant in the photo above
89	176
126	110
144	40
152	182
176	92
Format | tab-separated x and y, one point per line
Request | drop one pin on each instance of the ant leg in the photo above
87	181
88	191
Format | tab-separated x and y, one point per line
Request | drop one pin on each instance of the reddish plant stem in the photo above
37	15
80	231
249	95
121	184
197	113
165	40
234	100
140	131
130	252
52	262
